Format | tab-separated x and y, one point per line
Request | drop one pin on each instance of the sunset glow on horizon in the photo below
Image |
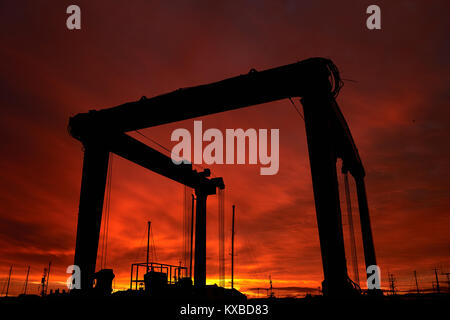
395	100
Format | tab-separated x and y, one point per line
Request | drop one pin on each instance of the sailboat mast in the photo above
48	276
26	281
9	280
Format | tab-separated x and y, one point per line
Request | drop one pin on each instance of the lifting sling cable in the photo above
106	213
221	220
187	208
351	229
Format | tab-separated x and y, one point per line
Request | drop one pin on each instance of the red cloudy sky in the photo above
396	106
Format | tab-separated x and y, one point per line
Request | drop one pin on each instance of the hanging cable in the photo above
154	141
109	207
106	212
167	149
183	240
351	229
140	246
336	80
221	219
187	207
296	109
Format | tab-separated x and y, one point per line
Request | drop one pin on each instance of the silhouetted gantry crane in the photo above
316	81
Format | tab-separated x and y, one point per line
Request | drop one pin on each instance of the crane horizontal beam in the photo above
307	77
135	151
254	88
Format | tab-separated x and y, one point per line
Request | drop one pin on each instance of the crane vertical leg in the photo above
93	183
200	240
366	229
322	159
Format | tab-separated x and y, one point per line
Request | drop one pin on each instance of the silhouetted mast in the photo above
26	281
417	283
437	281
232	248
9	281
43	280
271	295
392	282
48	276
